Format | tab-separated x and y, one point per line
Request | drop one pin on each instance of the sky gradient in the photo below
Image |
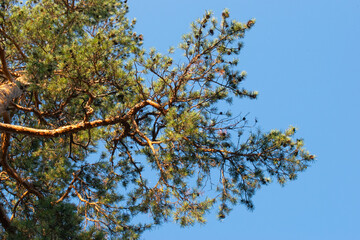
303	58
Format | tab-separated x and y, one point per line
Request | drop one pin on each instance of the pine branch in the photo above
4	64
9	128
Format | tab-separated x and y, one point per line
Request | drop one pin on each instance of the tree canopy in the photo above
102	138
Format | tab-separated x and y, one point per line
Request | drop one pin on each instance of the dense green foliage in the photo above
168	151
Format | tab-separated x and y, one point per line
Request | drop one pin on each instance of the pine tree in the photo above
76	81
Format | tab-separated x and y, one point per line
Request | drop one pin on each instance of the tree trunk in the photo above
10	91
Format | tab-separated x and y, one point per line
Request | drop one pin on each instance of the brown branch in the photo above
71	186
9	128
24	57
151	146
61	130
17	203
5	221
4	64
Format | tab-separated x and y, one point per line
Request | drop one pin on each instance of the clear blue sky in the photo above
303	58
